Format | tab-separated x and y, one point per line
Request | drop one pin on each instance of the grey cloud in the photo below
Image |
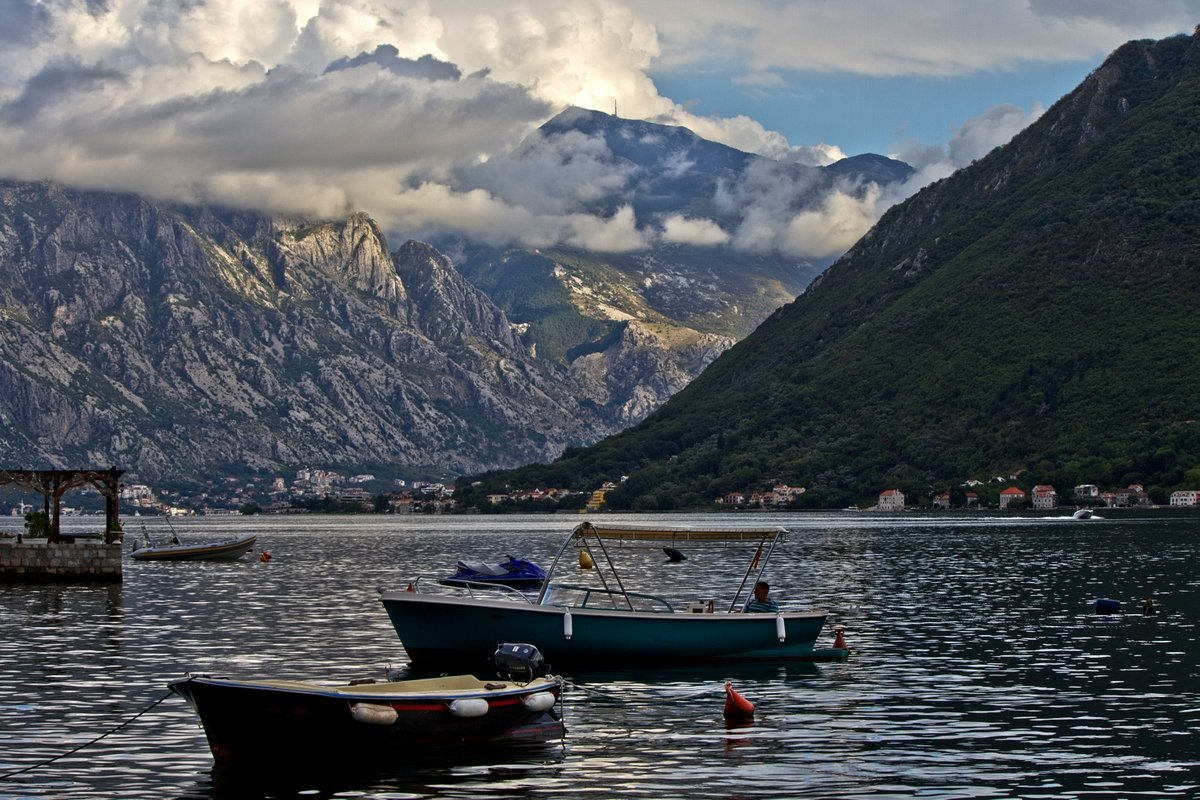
289	141
978	136
25	22
56	81
1116	12
388	57
293	121
552	174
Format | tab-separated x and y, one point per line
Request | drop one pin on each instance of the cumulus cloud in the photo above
413	111
976	138
678	229
837	223
815	231
552	174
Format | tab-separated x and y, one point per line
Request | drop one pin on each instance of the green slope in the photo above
1034	312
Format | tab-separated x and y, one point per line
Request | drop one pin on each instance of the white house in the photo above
1045	496
891	500
1185	497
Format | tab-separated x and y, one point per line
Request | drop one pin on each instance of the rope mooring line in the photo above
41	764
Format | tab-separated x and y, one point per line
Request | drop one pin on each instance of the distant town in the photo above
311	490
326	491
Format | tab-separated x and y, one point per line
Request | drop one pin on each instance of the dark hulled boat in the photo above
281	723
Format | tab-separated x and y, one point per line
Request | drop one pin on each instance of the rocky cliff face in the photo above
643	365
187	342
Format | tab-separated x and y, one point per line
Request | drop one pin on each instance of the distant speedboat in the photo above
1083	513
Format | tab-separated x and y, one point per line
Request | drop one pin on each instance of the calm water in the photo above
978	671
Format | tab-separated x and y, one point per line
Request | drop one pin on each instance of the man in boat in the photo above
761	602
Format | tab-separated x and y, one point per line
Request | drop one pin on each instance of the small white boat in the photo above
226	550
1083	513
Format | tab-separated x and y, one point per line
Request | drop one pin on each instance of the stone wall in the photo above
34	561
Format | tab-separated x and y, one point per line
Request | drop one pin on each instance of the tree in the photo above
37	525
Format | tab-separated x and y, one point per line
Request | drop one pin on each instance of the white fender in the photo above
568	625
373	713
469	707
780	627
540	701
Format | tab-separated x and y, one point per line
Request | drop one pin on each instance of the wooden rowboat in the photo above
282	723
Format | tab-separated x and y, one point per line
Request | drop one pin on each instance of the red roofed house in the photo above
1045	496
891	500
1012	496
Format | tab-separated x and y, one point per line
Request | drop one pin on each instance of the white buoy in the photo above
541	701
373	713
780	627
568	625
469	707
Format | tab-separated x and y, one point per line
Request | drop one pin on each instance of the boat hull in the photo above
492	580
229	550
290	724
440	631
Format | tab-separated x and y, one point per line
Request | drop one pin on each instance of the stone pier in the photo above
58	556
38	561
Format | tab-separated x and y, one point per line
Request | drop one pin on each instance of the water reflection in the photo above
979	669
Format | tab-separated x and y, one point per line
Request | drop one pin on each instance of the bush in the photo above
37	525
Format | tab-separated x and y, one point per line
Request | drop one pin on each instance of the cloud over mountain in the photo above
412	111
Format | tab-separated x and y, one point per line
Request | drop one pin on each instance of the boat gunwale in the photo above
376	692
576	611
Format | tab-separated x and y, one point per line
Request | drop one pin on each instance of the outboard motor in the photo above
518	662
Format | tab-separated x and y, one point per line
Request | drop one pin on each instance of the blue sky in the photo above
413	110
868	114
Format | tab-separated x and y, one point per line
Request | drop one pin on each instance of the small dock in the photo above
56	556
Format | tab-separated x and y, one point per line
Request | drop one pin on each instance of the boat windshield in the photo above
569	596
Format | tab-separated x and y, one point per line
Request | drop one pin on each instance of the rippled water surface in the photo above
978	669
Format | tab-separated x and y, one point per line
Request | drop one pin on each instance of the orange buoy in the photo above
839	639
264	557
736	706
410	588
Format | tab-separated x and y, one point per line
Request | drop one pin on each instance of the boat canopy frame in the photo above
586	535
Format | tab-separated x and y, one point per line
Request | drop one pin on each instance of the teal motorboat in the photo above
593	619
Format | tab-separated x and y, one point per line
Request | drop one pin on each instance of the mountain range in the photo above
186	343
1033	316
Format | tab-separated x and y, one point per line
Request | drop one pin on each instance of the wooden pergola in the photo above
52	484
